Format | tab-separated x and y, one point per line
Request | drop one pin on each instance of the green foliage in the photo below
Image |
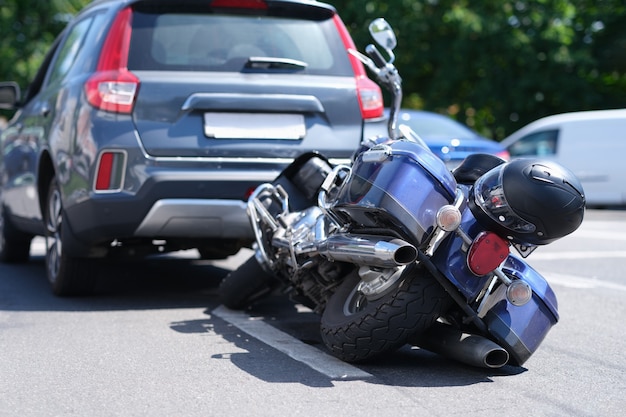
27	28
497	65
494	65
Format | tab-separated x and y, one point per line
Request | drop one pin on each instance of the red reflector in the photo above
110	171
487	252
105	168
249	192
240	4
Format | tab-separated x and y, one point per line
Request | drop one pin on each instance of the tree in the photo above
494	65
27	29
498	65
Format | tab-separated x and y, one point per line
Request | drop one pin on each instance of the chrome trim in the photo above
471	349
253	102
259	218
380	251
328	184
228	160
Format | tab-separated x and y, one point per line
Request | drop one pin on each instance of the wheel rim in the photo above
362	294
355	302
53	234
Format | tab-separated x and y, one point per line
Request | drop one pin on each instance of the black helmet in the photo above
529	201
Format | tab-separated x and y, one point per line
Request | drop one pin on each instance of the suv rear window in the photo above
179	41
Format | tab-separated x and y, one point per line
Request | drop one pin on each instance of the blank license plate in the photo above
254	126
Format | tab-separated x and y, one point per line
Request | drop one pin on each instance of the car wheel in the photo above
14	245
219	249
67	275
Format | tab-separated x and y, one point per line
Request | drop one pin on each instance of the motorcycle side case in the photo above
518	329
403	189
521	329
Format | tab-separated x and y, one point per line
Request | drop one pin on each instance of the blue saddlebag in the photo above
404	191
520	330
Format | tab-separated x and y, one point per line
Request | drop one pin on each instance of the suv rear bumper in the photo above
173	199
196	218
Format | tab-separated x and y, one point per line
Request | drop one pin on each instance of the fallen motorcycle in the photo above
397	249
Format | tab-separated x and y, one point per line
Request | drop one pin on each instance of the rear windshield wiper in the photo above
261	62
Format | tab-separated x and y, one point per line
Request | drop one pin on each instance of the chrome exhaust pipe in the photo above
470	349
367	250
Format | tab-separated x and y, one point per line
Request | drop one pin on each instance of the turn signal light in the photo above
486	253
519	293
448	218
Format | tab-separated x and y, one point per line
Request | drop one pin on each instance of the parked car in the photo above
590	143
150	122
448	139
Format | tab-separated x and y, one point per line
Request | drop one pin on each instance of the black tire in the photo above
219	249
14	245
246	284
355	333
67	275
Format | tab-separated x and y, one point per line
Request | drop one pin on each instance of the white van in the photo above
592	144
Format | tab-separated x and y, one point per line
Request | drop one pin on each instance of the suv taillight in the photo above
112	87
370	98
369	94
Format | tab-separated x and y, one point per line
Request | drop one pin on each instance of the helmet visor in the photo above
490	197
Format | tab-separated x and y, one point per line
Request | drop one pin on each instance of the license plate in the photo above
254	126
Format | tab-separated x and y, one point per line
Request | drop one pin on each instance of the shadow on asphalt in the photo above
407	367
168	282
155	282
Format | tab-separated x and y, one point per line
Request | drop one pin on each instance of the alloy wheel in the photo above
54	247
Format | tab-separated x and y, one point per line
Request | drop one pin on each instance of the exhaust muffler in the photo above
467	348
367	250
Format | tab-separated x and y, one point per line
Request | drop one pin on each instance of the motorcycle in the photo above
397	249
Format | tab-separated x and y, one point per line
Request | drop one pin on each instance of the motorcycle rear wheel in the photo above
356	329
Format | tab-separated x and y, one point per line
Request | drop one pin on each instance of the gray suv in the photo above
150	122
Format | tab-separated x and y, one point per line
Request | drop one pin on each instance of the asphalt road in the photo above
157	342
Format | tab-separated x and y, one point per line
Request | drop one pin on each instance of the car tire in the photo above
14	245
67	275
219	249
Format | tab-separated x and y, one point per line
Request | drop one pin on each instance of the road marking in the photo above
599	234
572	281
289	345
577	255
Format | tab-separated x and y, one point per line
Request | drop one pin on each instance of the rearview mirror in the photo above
9	95
383	34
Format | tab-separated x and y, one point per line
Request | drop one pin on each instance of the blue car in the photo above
447	138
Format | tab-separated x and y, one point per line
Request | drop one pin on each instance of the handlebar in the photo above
376	56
